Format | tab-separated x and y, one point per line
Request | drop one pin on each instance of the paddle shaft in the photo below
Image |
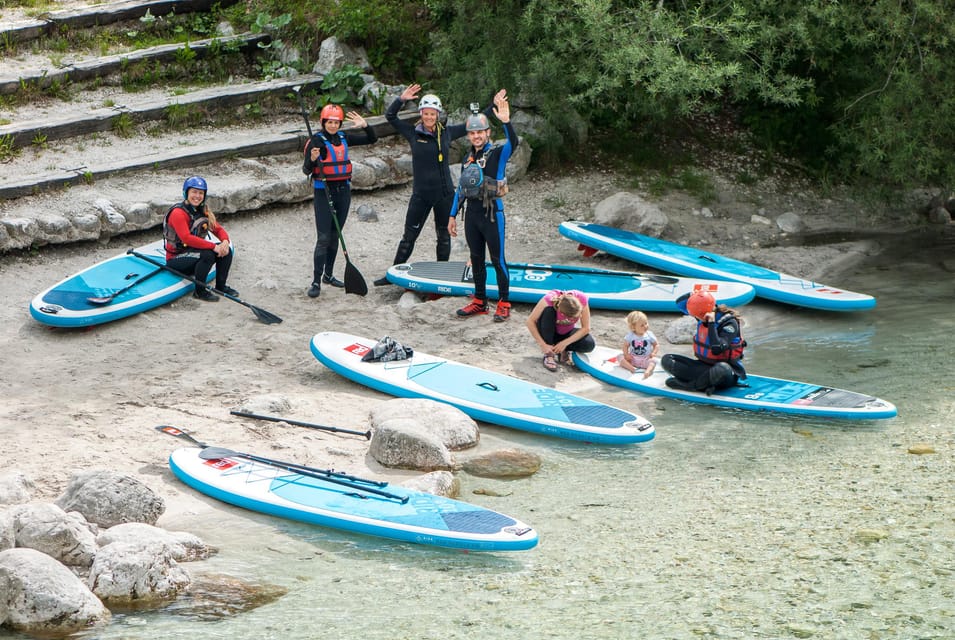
263	315
308	425
218	453
354	282
325	474
112	296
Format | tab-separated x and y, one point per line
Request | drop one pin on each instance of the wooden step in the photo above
107	13
23	132
106	65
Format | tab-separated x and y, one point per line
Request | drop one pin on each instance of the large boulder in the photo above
66	537
136	572
402	439
503	463
630	211
108	498
40	596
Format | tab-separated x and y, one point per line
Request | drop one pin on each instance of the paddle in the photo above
652	277
243	414
217	453
107	299
263	315
354	281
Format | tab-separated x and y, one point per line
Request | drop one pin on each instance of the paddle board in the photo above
689	261
605	289
423	518
481	394
66	304
757	393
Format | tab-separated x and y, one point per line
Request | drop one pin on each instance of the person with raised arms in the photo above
431	187
195	241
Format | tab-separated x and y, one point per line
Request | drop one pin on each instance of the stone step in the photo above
98	15
106	65
23	132
14	184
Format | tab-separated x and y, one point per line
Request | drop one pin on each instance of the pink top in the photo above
565	324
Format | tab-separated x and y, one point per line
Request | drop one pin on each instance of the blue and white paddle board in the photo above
66	304
422	519
756	393
605	289
689	261
484	395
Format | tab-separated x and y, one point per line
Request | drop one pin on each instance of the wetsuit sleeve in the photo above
718	343
404	128
179	221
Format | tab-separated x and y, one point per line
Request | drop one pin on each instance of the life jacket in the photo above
336	166
728	332
474	183
198	226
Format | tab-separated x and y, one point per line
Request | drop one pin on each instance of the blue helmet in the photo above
194	182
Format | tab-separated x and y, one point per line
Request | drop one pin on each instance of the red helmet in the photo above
332	112
700	303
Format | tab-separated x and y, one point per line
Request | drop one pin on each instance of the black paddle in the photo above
217	453
652	277
263	315
354	281
243	414
107	299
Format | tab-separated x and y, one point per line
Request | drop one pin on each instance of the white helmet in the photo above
430	101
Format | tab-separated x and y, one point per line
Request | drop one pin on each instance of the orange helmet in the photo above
332	112
700	303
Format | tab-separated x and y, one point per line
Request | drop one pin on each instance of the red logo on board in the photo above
357	349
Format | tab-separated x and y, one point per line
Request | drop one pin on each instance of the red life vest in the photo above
336	165
728	333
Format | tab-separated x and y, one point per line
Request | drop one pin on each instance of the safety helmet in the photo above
430	101
700	303
332	112
477	122
194	182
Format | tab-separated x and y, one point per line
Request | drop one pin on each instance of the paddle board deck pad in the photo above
757	393
605	289
66	303
689	261
422	519
484	395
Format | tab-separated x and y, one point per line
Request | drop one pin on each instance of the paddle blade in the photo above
588	251
354	281
264	316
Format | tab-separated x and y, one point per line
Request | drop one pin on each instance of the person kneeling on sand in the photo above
560	324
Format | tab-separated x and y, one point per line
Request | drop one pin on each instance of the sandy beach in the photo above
82	399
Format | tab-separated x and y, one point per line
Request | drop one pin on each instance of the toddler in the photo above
640	346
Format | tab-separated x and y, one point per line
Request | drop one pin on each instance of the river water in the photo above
727	525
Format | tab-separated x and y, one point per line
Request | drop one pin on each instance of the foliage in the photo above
8	150
341	86
852	91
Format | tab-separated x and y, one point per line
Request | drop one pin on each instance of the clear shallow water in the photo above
728	525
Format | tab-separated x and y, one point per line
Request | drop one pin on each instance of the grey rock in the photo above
630	211
184	547
681	330
108	498
128	572
790	222
15	487
503	463
438	483
40	596
367	213
66	537
334	54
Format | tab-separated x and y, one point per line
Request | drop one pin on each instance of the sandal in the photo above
550	362
566	359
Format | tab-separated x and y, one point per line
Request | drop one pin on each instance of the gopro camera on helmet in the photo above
474	107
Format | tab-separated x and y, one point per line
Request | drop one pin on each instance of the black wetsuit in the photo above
432	187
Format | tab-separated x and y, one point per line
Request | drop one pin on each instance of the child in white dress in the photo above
640	346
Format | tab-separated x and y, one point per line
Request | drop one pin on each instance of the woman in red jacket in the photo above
195	241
